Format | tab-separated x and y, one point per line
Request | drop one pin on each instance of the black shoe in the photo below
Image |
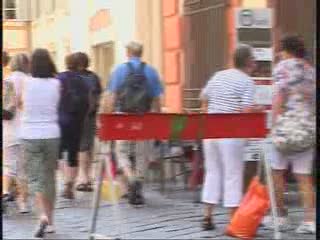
207	224
135	193
41	230
125	196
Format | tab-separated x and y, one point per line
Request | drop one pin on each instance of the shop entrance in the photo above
206	46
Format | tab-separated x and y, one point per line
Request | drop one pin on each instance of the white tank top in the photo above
40	98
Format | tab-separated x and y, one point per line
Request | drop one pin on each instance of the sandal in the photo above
67	192
207	224
84	187
89	187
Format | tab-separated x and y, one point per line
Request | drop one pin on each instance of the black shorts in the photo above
70	141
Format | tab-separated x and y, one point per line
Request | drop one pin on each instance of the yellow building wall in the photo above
16	37
254	3
53	33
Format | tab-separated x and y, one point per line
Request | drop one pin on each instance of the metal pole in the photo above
162	170
96	200
277	234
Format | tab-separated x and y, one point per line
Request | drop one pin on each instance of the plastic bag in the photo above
111	190
254	206
107	194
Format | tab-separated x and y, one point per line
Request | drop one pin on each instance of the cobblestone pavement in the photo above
169	216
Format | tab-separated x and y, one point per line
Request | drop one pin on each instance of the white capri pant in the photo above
223	171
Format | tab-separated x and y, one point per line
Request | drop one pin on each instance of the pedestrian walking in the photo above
134	87
40	135
88	135
293	108
5	65
13	161
74	106
228	91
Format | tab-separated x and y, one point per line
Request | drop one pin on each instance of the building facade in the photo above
107	32
186	40
50	28
199	37
16	26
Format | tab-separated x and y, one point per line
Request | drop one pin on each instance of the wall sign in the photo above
253	27
262	54
263	94
253	18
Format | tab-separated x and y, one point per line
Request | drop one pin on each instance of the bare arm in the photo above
204	105
277	103
107	102
156	105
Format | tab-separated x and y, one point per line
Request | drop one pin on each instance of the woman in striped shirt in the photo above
228	91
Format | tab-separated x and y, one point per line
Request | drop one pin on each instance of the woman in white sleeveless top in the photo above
40	134
13	162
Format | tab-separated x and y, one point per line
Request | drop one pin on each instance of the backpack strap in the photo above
140	69
130	67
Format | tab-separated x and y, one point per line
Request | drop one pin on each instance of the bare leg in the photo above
89	165
83	167
70	174
123	182
207	223
307	195
208	209
279	187
23	194
50	207
232	211
42	206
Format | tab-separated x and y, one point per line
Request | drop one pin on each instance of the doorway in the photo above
103	61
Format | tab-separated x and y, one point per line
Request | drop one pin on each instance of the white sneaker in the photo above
50	229
23	208
306	228
267	222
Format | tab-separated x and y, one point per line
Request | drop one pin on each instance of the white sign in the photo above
253	18
262	54
263	94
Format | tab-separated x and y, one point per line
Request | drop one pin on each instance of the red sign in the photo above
181	126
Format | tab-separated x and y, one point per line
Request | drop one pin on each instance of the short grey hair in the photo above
135	48
20	62
241	55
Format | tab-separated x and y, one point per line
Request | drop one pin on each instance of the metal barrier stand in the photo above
124	131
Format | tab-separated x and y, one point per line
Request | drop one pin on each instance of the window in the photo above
10	9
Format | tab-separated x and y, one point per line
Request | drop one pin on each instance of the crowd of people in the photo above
47	114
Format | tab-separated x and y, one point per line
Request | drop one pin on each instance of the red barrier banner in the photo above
163	126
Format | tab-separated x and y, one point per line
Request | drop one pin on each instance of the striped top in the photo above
229	91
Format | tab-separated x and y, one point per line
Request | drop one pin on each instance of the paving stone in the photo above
169	216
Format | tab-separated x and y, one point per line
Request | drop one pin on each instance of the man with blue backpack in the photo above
134	87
